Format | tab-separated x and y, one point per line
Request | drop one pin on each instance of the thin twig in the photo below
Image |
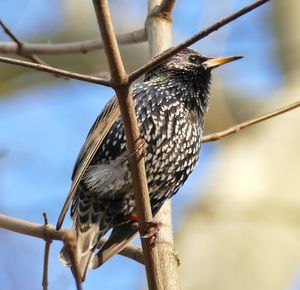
85	46
46	256
121	86
50	233
61	72
70	245
232	130
20	44
167	54
45	267
139	72
46	219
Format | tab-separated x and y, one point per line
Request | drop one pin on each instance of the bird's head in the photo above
189	65
189	73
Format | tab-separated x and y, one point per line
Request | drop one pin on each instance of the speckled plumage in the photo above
170	104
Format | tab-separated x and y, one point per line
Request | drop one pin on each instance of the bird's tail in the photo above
86	241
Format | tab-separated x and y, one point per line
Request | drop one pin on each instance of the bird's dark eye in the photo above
196	59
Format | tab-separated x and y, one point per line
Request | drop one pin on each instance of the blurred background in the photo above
236	218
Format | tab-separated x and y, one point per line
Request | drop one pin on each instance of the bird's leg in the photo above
140	146
148	230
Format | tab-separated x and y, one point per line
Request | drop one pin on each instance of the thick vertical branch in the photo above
159	30
122	88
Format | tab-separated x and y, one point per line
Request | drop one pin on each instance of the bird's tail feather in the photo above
85	245
120	237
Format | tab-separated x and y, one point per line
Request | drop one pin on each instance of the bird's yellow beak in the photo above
217	61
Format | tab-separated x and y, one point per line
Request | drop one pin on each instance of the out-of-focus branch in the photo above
46	257
234	129
138	172
159	30
20	45
56	71
163	10
139	72
166	6
86	46
70	245
203	33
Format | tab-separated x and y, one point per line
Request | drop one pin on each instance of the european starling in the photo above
170	104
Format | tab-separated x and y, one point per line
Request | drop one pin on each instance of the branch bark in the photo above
138	172
85	46
159	30
234	129
45	266
49	233
56	71
203	33
139	72
20	45
46	257
70	245
46	232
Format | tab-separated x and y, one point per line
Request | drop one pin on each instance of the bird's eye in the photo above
196	59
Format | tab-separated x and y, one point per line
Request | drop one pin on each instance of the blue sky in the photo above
43	128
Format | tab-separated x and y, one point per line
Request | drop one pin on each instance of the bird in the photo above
170	103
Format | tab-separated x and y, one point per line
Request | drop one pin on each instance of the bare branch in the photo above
237	128
11	35
45	267
86	46
30	229
70	245
20	45
166	6
49	233
120	82
159	30
162	10
167	54
46	220
46	257
56	71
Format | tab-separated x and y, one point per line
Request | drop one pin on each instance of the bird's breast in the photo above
172	135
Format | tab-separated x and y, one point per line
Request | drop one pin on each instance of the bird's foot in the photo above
139	147
149	230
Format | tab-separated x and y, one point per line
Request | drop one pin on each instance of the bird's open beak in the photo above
217	61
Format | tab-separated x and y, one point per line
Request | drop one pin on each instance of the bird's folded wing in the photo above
94	140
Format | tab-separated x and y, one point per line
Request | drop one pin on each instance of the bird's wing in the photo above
95	137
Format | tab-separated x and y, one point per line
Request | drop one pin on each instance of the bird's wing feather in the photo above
95	137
